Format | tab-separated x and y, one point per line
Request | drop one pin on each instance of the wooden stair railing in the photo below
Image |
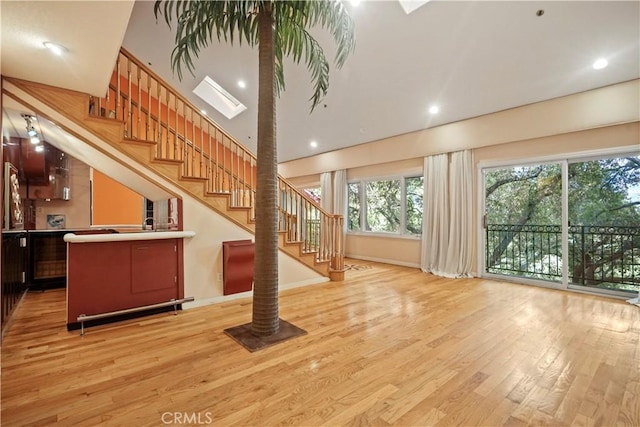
154	112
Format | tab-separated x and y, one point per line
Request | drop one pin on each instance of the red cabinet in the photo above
111	276
237	266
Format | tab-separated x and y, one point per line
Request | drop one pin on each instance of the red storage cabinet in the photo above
237	266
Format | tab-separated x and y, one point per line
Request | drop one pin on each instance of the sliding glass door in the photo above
523	213
604	224
589	207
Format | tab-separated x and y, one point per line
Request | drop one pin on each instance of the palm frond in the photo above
292	21
333	16
198	20
296	42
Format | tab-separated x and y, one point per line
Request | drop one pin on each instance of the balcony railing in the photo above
599	256
153	111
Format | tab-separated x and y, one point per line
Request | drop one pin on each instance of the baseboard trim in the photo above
226	298
383	260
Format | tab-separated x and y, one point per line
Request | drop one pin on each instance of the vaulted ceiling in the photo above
468	58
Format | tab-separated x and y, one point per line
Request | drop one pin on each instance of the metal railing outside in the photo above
599	256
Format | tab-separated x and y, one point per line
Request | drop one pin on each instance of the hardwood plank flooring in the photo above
388	346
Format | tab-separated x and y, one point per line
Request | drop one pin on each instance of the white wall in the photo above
600	119
203	255
601	107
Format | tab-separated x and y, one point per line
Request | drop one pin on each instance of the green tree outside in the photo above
604	214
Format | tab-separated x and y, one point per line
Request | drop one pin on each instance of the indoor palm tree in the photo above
279	29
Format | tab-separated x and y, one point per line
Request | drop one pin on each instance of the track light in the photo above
31	130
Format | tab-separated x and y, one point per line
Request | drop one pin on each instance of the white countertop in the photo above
123	237
13	231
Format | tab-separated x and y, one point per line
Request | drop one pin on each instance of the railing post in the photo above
138	131
128	129
337	252
159	120
149	130
118	101
582	255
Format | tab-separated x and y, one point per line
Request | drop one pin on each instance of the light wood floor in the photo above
388	346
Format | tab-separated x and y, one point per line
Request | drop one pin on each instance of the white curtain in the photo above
326	191
447	239
340	202
459	258
340	192
435	221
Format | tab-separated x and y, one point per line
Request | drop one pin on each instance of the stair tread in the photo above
139	141
167	161
294	242
104	119
193	178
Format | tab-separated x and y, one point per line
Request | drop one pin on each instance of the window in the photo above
314	193
353	191
383	206
413	189
391	205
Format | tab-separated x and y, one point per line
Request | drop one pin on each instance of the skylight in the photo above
411	5
215	95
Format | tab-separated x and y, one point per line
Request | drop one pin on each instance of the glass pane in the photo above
604	215
353	191
413	190
523	221
383	206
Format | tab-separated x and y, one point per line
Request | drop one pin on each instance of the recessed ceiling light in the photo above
242	84
600	64
56	48
434	109
204	112
313	144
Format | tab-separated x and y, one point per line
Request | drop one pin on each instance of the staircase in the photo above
145	119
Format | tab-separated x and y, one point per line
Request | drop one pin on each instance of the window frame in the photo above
362	183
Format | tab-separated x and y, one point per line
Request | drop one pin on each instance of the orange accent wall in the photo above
113	203
211	145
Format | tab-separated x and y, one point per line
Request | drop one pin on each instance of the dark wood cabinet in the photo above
44	173
14	263
47	259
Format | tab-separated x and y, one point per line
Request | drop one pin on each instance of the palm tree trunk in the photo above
265	319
